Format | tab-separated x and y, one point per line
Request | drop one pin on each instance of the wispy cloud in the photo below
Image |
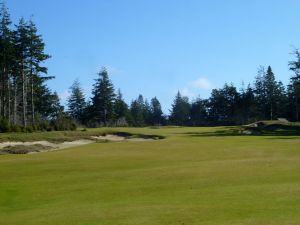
63	96
187	92
196	87
202	83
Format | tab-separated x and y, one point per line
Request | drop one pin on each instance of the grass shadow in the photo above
220	133
283	138
238	131
127	135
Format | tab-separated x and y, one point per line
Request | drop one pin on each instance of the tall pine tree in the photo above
76	102
156	112
294	87
180	112
271	89
6	61
37	56
23	54
120	110
103	99
137	112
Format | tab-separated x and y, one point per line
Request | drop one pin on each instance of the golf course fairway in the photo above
195	176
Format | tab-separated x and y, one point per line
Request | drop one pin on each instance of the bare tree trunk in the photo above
8	100
15	101
271	111
24	102
32	101
297	110
3	93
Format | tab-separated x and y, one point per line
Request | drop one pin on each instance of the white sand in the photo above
67	144
111	137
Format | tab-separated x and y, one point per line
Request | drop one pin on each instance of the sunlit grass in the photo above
195	176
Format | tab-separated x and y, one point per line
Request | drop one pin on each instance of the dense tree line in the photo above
108	108
266	99
26	103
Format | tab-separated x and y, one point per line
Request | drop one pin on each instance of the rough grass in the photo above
54	136
273	127
63	136
192	177
24	149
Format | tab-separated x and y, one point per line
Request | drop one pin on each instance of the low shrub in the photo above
4	125
29	129
62	123
15	128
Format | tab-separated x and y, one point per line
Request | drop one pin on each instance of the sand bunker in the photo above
47	143
46	146
109	137
112	137
52	146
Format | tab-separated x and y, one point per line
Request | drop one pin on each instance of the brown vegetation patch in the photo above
24	149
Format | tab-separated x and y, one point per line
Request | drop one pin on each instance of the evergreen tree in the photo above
137	112
103	99
199	114
270	87
269	95
180	112
223	105
259	91
247	107
216	107
156	113
76	102
147	112
24	96
45	102
22	43
29	80
294	87
281	101
36	57
6	60
120	110
56	108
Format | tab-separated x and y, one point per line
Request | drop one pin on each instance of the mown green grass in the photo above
192	177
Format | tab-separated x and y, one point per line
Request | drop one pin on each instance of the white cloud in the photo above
187	92
199	86
202	83
63	96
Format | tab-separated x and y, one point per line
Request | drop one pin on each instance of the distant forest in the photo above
265	99
27	103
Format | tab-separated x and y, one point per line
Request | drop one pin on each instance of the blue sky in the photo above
160	46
